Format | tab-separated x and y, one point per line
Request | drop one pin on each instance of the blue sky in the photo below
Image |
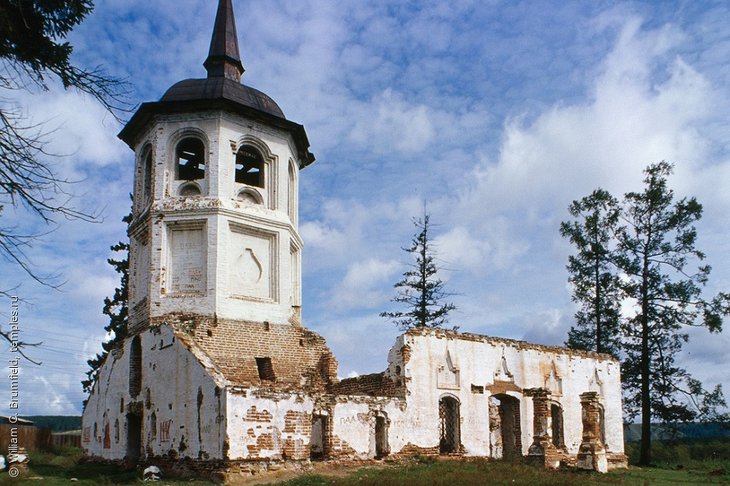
495	115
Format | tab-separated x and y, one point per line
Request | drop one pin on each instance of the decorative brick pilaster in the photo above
592	453
542	452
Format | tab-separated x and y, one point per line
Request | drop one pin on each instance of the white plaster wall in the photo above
187	406
261	422
480	364
216	210
103	407
353	422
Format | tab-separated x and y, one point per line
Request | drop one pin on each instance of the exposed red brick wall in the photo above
375	384
297	354
409	450
297	422
340	449
253	415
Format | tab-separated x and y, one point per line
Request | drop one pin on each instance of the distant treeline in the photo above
57	423
632	432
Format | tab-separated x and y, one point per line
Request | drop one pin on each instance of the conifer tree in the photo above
420	289
116	308
593	273
647	249
656	249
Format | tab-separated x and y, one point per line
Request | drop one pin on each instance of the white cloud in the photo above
365	285
388	123
495	116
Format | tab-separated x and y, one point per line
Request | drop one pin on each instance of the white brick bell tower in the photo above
214	230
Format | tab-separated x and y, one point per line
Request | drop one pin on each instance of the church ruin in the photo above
219	376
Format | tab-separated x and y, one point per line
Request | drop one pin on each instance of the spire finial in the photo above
223	57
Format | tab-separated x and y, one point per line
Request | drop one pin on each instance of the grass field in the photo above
48	469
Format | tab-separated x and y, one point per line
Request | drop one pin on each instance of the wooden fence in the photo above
29	437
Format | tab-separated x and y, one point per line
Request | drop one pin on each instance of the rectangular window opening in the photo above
266	370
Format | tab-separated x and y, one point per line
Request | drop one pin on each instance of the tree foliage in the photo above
596	286
421	290
116	308
648	249
34	49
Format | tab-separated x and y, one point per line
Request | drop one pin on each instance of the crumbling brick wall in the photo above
299	358
375	384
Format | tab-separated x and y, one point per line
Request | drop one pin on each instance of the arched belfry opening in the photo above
250	166
190	159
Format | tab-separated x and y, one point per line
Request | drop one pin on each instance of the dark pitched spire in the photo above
223	57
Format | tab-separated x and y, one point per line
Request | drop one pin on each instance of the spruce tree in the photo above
420	289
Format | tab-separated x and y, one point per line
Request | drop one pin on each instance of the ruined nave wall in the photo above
154	395
472	368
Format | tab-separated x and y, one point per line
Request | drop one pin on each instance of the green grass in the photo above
49	469
480	472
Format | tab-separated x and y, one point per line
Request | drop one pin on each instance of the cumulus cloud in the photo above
495	117
364	285
642	108
388	123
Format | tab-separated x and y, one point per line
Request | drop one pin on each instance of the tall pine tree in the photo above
656	250
593	275
648	248
117	310
420	289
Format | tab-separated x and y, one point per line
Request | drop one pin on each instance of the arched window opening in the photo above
147	178
250	166
190	159
449	425
556	418
190	190
135	367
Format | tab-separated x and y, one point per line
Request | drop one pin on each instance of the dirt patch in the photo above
333	469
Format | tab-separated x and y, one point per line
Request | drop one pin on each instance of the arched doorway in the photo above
449	425
510	430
